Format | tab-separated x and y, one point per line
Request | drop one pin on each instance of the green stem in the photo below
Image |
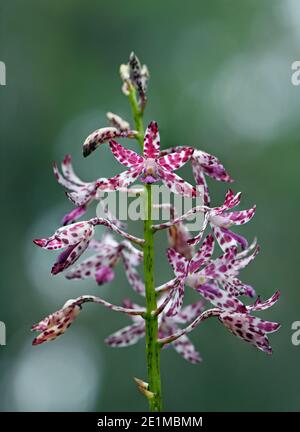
137	115
152	346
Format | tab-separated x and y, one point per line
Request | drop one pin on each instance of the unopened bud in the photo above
117	122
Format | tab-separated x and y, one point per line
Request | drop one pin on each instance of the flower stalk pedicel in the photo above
164	319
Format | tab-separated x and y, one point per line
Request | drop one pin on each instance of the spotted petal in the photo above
178	262
127	336
68	171
262	305
251	329
176	160
201	182
227	238
126	178
203	255
211	166
186	349
57	323
100	136
220	298
152	141
176	184
131	272
189	313
67	236
125	156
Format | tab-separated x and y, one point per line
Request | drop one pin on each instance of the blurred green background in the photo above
220	80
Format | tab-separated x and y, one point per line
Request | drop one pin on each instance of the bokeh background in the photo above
220	80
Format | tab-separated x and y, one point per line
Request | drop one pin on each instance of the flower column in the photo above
152	346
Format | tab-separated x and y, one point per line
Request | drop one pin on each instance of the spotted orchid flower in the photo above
205	275
79	192
166	325
237	319
151	167
101	265
250	328
220	220
58	322
76	238
204	164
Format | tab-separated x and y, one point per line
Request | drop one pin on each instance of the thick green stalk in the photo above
152	346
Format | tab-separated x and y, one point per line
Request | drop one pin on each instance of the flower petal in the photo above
186	349
67	236
127	336
189	313
203	255
226	238
178	262
176	160
250	329
57	323
211	166
176	300
74	214
201	182
262	305
152	141
241	217
220	298
68	171
117	122
100	136
125	156
125	179
70	255
132	274
176	184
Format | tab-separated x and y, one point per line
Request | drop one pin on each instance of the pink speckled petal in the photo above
201	182
178	262
130	263
127	336
126	178
74	214
152	141
100	136
67	236
211	166
227	238
68	171
176	160
186	349
176	300
125	156
220	298
57	323
203	255
176	184
189	313
251	329
262	305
